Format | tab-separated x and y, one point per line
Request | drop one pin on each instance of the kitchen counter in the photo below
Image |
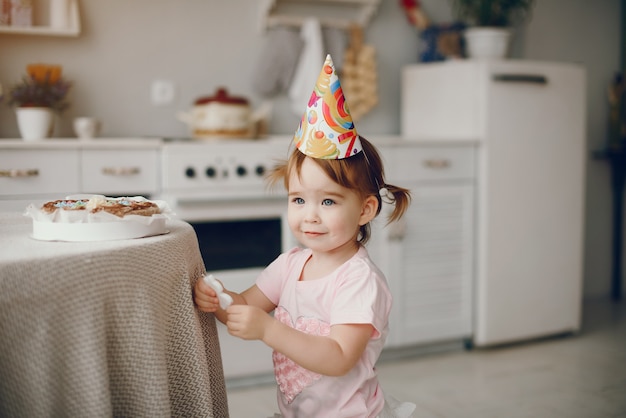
73	143
155	142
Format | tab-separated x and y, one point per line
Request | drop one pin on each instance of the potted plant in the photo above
40	94
490	20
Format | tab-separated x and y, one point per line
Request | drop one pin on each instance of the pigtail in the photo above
399	197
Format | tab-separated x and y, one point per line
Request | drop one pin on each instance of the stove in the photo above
219	170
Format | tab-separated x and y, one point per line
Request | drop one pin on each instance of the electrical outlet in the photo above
163	92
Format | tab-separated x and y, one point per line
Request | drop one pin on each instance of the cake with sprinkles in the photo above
98	218
119	207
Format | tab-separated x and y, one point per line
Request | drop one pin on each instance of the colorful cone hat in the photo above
326	130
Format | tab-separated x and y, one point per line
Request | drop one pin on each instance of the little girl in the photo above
331	303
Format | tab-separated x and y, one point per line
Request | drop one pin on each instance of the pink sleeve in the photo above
362	297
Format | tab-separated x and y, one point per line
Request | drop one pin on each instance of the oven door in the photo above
238	239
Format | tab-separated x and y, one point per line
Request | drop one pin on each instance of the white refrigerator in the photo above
528	122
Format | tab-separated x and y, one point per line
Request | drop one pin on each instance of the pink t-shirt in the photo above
355	293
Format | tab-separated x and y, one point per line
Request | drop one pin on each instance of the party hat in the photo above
326	129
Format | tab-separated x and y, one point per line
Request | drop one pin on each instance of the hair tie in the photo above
385	194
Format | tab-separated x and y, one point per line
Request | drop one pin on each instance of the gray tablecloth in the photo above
105	328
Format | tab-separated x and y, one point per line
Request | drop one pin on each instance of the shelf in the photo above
40	30
331	13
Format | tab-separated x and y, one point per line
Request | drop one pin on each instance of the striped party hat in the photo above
326	129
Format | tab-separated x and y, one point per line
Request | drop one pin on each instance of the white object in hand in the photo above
224	298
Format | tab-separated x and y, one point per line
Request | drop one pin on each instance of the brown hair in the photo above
364	173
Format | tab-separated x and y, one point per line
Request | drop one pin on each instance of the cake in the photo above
98	218
119	207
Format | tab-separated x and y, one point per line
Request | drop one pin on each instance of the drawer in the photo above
120	172
26	172
417	163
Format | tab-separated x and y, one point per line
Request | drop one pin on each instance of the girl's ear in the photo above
368	212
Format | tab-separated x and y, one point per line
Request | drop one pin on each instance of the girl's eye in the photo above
328	202
298	200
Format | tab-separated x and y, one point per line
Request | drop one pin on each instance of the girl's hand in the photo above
247	322
205	297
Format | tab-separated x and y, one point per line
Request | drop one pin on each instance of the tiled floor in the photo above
576	376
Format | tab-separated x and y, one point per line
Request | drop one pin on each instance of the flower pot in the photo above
487	42
35	123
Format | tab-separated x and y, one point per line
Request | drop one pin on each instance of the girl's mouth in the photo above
312	233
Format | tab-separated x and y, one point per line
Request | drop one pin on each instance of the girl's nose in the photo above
310	214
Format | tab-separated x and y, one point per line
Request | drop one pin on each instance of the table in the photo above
105	328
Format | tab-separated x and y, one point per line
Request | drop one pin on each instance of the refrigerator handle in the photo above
521	78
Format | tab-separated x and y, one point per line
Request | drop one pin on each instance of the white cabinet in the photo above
34	172
529	121
428	256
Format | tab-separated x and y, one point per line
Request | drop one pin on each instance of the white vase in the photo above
487	43
35	123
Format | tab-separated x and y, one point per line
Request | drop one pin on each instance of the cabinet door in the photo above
120	172
430	263
34	172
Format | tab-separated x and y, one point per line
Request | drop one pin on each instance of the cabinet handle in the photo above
437	164
14	173
120	171
521	78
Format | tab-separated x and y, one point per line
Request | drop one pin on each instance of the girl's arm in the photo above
332	355
207	301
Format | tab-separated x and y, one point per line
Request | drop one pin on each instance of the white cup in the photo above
87	127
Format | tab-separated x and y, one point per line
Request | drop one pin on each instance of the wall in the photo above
199	44
203	44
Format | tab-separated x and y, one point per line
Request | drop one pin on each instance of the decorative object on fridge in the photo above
21	13
442	41
40	94
490	20
359	76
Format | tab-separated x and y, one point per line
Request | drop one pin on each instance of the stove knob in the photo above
210	172
190	172
259	170
241	171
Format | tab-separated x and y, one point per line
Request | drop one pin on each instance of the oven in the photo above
219	188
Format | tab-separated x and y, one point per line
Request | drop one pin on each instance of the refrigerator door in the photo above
531	198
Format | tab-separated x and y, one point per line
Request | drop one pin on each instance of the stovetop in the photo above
220	167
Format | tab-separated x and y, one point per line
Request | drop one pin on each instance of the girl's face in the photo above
323	215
